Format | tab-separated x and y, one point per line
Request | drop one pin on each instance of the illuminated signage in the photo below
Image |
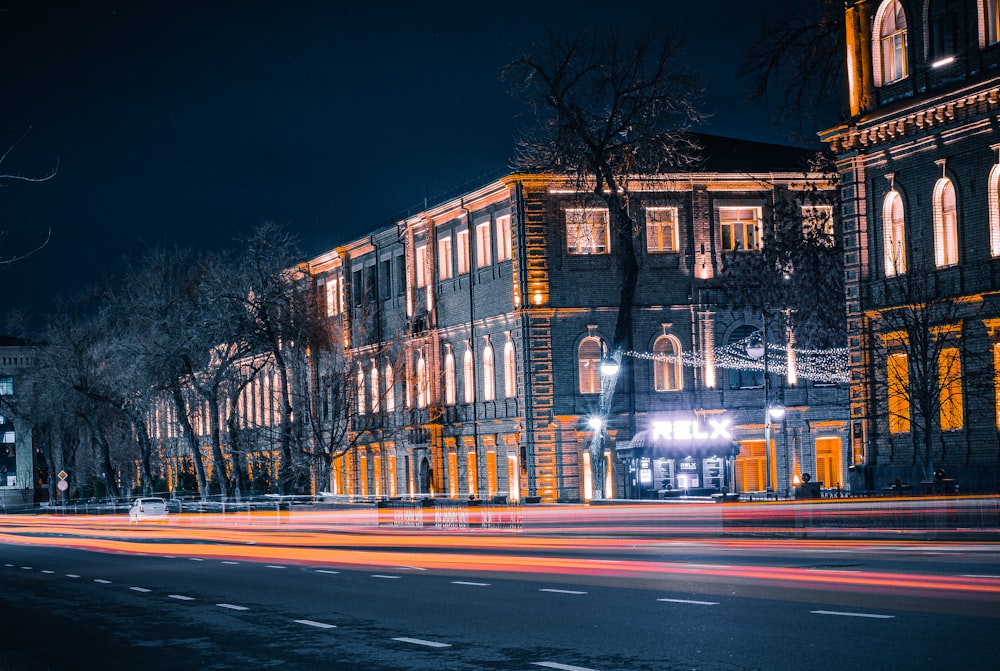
685	430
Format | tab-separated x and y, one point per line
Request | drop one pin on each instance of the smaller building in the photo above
17	464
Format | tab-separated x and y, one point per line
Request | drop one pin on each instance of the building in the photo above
919	161
17	463
475	330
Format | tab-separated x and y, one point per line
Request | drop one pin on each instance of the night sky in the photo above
189	122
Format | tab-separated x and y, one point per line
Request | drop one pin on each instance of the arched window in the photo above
449	377
990	16
509	371
889	52
945	224
423	386
666	364
376	390
589	364
468	379
390	389
942	29
489	374
893	235
749	377
994	195
361	391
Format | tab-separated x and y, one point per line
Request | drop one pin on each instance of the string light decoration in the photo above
819	365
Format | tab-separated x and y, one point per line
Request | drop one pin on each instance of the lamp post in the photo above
776	411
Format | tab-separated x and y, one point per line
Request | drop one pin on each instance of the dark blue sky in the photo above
188	122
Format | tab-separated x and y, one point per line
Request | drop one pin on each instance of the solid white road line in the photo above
699	603
474	584
387	577
231	606
311	623
420	641
561	591
323	570
181	597
103	582
848	614
561	667
140	589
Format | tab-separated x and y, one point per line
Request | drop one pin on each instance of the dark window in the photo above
357	288
944	23
385	280
738	377
400	274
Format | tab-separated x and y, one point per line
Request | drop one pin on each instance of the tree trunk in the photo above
191	439
220	462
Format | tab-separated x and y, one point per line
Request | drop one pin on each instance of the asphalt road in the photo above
243	601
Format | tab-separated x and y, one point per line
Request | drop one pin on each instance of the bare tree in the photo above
798	271
917	347
7	178
607	108
798	60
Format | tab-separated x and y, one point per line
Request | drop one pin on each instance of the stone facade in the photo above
921	150
502	274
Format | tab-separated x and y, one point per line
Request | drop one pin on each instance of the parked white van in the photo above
147	508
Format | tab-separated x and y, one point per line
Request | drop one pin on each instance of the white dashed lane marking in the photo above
387	577
561	591
313	623
72	575
319	570
26	568
473	584
140	589
848	614
231	606
698	603
181	597
561	667
420	641
47	571
274	566
103	582
230	562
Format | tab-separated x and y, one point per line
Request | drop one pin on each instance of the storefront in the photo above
677	456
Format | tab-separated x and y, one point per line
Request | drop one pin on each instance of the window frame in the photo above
667	375
945	223
489	372
748	227
893	235
893	44
444	258
589	367
509	369
599	227
504	241
671	246
484	244
464	262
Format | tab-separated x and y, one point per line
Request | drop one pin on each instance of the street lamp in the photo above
771	412
609	367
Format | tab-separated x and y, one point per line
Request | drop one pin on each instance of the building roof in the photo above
727	154
12	341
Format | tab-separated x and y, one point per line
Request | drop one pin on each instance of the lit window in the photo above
444	258
504	241
740	228
661	229
589	365
890	52
484	256
468	381
898	392
462	245
945	224
994	195
587	231
423	383
420	270
6	386
996	381
893	235
666	364
818	218
489	374
334	297
390	389
950	385
375	390
509	370
361	391
449	377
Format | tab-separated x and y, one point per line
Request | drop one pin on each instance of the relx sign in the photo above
690	430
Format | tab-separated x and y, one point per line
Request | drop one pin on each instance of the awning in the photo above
642	445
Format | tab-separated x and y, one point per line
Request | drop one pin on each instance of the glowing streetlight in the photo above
758	350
